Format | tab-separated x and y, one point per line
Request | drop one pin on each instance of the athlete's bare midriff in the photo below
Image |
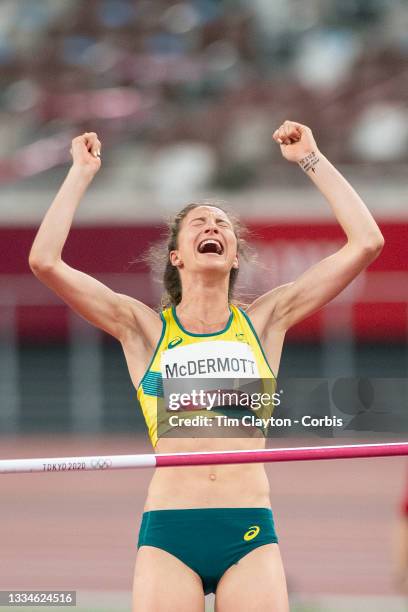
212	486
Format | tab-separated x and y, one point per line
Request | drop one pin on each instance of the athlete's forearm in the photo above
349	209
53	232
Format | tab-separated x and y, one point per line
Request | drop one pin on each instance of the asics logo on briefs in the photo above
176	341
252	533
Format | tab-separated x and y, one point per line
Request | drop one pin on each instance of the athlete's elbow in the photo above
41	265
371	247
374	246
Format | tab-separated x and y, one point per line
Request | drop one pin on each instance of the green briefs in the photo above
208	540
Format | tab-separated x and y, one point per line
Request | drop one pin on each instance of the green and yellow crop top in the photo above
232	353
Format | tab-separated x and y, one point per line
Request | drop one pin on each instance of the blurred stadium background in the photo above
185	96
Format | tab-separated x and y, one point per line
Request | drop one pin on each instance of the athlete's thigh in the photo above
256	582
163	583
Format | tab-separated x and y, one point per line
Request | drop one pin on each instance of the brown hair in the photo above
159	261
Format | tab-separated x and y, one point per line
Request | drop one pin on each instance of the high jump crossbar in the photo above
118	462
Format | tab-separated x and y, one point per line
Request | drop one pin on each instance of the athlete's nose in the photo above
211	227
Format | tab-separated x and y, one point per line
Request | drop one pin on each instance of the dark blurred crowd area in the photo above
199	86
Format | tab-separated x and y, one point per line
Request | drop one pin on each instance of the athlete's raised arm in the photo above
288	304
113	312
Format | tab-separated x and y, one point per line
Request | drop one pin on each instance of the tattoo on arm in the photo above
309	162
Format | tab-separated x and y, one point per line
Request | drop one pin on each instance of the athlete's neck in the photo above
206	311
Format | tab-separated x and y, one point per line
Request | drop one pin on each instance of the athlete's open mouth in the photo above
211	245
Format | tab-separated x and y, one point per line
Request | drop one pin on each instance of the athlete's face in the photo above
206	240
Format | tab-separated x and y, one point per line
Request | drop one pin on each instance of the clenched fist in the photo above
85	151
296	141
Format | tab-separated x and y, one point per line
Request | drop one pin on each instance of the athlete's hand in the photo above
296	141
85	151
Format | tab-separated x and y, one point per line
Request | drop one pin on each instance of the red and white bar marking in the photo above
119	462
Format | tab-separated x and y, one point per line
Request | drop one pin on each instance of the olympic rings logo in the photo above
101	464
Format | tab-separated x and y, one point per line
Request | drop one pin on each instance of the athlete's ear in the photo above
175	259
235	263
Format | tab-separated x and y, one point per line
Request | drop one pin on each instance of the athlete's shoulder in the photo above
166	310
167	314
240	311
237	309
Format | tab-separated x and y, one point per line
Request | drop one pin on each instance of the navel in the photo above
212	476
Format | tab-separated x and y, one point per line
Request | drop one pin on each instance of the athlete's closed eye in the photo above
198	221
223	223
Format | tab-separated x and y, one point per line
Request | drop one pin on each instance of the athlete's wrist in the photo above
81	174
310	161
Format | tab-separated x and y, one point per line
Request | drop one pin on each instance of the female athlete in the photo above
206	529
